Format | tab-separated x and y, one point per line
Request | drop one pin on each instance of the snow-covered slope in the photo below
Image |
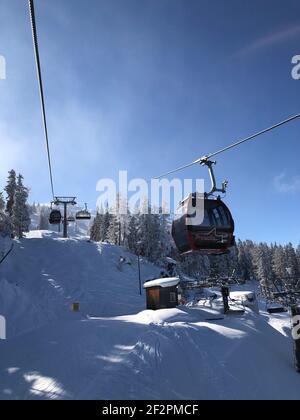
45	274
113	348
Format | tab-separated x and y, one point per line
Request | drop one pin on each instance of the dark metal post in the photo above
140	278
295	312
225	295
120	234
65	221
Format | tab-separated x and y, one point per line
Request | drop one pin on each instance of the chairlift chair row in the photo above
56	218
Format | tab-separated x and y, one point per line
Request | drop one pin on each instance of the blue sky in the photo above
149	85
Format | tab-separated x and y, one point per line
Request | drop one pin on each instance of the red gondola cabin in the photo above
213	235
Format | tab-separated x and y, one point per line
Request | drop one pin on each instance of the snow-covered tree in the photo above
197	266
34	209
107	227
244	263
5	225
114	230
165	240
148	234
44	219
104	233
279	263
95	234
20	213
263	266
133	233
123	219
10	191
2	202
292	268
298	256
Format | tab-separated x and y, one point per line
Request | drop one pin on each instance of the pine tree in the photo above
34	209
263	266
20	213
5	222
95	234
123	215
279	263
214	267
232	262
104	233
244	264
2	202
114	233
165	241
148	234
292	269
44	219
133	233
5	225
298	256
10	191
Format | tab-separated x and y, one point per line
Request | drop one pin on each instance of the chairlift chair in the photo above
55	217
83	214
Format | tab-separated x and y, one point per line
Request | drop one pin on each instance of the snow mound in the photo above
167	354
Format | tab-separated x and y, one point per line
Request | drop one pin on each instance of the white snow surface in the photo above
45	274
164	282
113	348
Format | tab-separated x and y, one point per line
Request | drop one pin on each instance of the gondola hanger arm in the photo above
214	188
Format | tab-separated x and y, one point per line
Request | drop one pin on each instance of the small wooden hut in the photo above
162	293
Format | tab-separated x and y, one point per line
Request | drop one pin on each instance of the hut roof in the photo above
165	282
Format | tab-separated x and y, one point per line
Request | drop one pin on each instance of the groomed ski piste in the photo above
114	348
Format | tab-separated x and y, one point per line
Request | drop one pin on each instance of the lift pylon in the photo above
65	201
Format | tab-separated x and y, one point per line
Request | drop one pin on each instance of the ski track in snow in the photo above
113	348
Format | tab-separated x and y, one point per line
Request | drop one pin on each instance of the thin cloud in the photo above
285	186
270	40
